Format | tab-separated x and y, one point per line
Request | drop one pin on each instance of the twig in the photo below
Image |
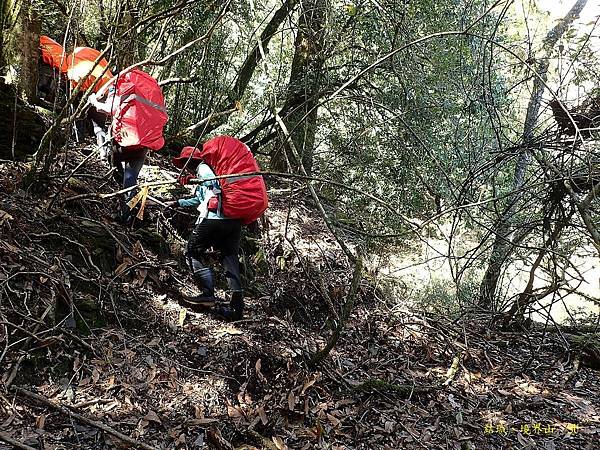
384	203
403	389
78	340
66	180
347	309
94	423
94	401
109	231
15	368
6	438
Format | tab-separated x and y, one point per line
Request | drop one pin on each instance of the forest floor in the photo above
140	363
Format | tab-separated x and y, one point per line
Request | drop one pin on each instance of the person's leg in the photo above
197	245
229	246
131	171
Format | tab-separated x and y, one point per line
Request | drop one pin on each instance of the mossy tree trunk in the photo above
21	28
306	79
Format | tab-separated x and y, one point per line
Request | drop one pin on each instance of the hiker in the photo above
224	205
134	102
84	65
214	230
52	68
127	163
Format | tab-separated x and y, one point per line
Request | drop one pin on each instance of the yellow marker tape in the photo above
142	197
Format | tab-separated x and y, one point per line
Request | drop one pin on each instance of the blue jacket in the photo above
202	194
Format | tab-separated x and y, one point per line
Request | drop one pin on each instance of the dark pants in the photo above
129	164
222	235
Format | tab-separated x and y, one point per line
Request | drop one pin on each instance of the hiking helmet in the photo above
191	153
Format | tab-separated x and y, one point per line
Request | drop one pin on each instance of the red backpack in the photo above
245	197
139	118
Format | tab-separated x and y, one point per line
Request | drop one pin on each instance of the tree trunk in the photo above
245	73
305	82
504	229
127	48
4	30
20	47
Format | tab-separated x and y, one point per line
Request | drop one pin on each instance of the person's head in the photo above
188	158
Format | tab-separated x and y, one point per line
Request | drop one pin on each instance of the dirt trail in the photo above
169	377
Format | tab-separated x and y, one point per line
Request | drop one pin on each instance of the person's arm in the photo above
200	195
105	106
188	202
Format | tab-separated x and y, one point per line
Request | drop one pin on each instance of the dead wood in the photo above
585	117
79	417
589	345
6	438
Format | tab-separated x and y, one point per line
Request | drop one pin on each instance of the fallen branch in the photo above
589	344
17	364
79	417
6	438
414	227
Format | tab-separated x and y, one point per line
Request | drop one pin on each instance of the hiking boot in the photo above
200	300
204	280
234	310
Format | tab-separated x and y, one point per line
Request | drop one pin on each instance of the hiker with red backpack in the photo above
135	103
224	203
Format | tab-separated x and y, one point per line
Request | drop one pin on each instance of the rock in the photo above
26	128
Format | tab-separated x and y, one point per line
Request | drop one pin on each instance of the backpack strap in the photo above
143	100
219	194
240	178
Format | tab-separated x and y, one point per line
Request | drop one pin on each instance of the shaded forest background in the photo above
426	158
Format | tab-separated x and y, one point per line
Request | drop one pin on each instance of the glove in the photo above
172	204
185	179
92	99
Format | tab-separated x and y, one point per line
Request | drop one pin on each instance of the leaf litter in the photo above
172	378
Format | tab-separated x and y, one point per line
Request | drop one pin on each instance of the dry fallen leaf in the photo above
307	385
279	443
140	277
262	415
202	421
5	217
152	417
291	401
235	412
40	422
257	366
123	266
228	330
333	420
154	342
182	315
